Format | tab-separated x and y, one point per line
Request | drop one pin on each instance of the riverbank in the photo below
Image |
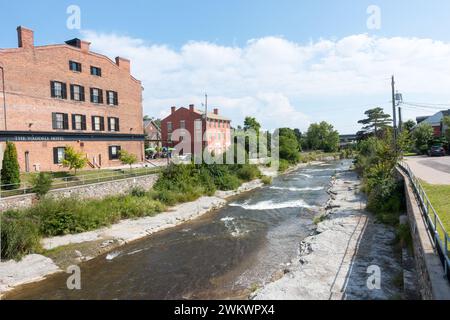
73	249
333	263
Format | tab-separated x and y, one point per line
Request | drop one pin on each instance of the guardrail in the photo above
435	227
9	190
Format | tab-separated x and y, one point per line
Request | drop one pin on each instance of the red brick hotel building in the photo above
62	95
212	133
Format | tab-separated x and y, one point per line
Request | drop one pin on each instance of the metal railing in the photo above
435	227
9	190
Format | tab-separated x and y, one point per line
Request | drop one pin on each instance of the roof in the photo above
212	115
436	119
147	122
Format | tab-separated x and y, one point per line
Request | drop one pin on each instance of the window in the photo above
113	124
114	152
58	90
60	121
169	127
96	95
76	92
198	124
95	71
75	66
182	124
98	123
58	155
112	98
78	122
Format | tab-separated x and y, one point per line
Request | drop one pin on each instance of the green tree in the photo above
289	147
300	138
42	183
409	125
251	123
376	119
10	173
423	135
127	158
446	123
73	159
322	136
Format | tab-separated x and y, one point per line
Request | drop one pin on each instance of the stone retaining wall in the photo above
91	191
432	284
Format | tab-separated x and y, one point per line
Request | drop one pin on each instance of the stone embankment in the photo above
338	260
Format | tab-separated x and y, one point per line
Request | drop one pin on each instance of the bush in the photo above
248	172
266	180
138	192
42	184
19	235
283	165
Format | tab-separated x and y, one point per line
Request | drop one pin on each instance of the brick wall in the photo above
28	72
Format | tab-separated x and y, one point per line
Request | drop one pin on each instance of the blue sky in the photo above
150	26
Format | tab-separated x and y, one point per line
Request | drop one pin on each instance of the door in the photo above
27	161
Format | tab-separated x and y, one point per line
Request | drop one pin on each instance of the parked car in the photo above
437	151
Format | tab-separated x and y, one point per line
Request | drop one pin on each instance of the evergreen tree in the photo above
376	119
10	174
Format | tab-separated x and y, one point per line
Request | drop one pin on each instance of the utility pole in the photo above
4	96
394	119
206	121
400	121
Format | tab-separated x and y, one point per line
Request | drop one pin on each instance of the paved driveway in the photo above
431	170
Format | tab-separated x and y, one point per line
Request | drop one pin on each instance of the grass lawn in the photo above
439	196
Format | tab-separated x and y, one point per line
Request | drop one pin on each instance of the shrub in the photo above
266	180
138	192
42	184
248	172
19	235
283	165
10	173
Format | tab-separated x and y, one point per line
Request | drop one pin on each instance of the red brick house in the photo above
212	132
436	121
66	95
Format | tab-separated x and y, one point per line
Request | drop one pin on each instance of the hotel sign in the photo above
38	138
23	136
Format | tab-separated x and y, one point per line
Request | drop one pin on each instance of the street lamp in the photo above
4	95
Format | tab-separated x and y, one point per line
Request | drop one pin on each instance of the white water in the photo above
298	189
271	205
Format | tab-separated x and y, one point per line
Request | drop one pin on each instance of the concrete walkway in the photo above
431	170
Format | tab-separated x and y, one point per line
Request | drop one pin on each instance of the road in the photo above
431	170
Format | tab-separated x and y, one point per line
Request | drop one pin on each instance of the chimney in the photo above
25	37
84	46
173	109
123	63
216	111
191	108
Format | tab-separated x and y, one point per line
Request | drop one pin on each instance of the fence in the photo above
79	180
435	227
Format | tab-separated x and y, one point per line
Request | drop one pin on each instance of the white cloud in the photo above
269	77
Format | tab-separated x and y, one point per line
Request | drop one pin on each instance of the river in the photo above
224	254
